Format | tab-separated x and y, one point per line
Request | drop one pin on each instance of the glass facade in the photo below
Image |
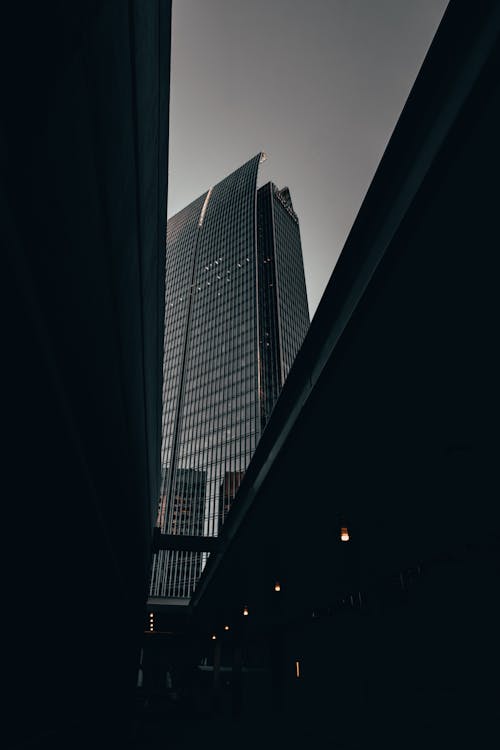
283	309
230	339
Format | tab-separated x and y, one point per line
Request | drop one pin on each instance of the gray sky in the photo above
316	84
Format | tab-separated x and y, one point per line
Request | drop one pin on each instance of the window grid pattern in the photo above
293	310
236	315
271	380
284	313
212	425
182	232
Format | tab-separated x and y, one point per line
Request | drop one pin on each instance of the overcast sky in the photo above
316	84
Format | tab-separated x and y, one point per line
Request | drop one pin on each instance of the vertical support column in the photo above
237	681
277	665
216	683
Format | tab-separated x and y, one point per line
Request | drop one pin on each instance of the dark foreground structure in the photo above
389	639
83	167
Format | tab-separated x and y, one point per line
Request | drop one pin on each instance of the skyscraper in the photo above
236	316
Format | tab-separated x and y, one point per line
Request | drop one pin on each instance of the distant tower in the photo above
236	316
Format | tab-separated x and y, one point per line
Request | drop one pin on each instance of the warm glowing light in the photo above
245	611
277	586
297	669
214	637
226	627
344	534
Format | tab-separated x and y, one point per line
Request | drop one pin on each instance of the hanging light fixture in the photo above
344	534
245	610
277	586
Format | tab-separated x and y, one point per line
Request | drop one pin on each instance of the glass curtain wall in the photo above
211	397
236	315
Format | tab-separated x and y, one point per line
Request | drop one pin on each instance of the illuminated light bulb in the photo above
344	534
226	627
297	669
277	586
245	611
214	637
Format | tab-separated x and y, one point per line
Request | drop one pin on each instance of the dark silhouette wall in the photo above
83	168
